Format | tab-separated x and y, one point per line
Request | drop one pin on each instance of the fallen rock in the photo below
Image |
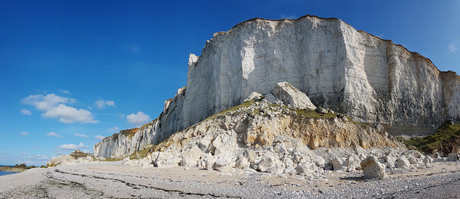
372	168
165	159
390	161
412	159
337	163
352	163
209	160
241	162
321	110
270	98
254	96
267	162
305	168
224	162
190	157
402	162
427	160
290	95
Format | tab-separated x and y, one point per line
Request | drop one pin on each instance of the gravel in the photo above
113	180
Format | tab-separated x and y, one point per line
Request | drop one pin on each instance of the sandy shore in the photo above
113	180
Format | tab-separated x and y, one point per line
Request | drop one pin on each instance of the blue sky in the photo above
73	71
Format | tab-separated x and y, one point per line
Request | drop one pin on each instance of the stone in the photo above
241	162
190	157
372	168
268	161
254	96
304	168
224	162
402	162
417	154
390	161
453	157
352	163
412	159
270	98
337	163
321	110
290	95
318	160
209	160
165	159
427	160
280	148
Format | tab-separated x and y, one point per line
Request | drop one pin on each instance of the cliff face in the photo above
338	67
125	143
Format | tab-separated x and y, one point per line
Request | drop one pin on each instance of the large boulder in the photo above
372	168
337	163
165	159
290	95
402	162
191	157
224	162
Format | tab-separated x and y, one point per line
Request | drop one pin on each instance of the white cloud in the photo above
72	146
24	133
100	104
26	112
114	130
138	119
80	135
54	106
54	134
67	114
452	47
46	102
99	137
64	91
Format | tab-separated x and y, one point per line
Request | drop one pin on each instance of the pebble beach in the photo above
114	180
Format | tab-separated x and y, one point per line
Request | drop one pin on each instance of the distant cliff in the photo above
373	80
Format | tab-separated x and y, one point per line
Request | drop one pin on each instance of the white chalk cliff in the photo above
370	79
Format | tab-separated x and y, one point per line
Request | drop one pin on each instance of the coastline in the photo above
12	169
112	179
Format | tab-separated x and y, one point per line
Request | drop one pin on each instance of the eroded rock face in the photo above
372	80
338	67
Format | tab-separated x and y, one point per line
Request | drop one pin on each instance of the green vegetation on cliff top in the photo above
446	137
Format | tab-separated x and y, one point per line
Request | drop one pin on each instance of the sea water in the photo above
2	173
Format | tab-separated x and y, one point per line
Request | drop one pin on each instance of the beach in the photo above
114	180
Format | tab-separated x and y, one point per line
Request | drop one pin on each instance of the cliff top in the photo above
413	53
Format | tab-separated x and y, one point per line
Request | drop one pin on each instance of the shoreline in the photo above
12	169
112	179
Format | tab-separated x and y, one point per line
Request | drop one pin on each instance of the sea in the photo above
2	173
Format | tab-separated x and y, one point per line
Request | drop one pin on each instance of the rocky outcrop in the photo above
74	158
266	137
282	140
127	142
372	80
